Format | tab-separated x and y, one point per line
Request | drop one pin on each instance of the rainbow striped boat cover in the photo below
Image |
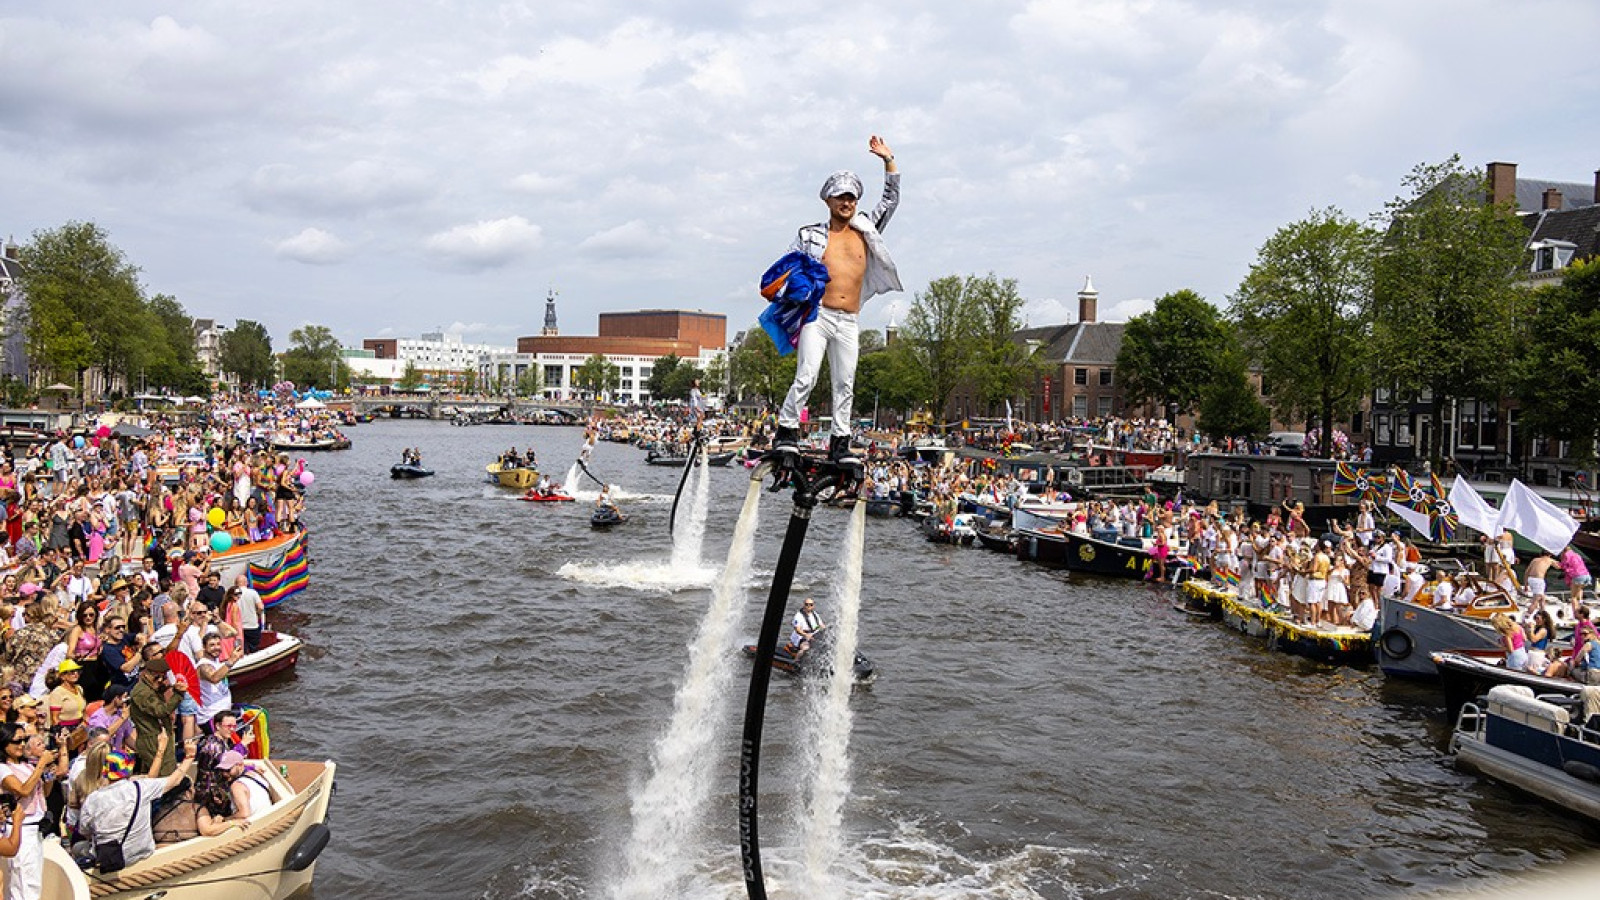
290	576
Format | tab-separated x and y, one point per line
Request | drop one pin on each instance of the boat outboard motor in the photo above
811	478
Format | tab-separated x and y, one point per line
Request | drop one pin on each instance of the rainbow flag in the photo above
1443	515
1348	479
1411	501
289	577
1268	592
1228	577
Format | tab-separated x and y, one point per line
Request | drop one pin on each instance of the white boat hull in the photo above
236	865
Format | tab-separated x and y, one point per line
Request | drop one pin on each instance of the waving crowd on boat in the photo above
137	574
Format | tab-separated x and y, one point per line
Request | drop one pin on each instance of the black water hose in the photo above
688	464
755	709
585	467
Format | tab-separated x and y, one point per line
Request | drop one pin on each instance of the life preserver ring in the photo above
1396	644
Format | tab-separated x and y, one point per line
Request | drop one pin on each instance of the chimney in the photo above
1502	183
12	249
1087	299
1552	199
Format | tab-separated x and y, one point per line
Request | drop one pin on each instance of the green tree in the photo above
469	382
1001	368
177	365
758	372
1556	376
85	305
892	378
1444	302
599	376
1304	312
659	372
941	331
1171	354
1229	406
716	380
246	352
313	359
679	381
410	377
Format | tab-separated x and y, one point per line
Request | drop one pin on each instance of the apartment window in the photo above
627	371
1080	376
1080	406
1280	486
1231	483
1469	425
1105	377
552	376
1105	407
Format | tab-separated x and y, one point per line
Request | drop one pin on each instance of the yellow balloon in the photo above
215	517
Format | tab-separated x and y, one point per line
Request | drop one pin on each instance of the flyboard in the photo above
812	479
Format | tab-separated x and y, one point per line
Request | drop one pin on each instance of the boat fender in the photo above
1396	643
1581	770
306	850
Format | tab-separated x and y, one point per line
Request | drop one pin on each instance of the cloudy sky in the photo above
393	168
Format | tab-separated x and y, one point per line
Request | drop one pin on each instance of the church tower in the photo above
550	329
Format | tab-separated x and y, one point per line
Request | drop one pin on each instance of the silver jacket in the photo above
881	275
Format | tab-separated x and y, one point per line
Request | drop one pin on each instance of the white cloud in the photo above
315	247
630	239
671	148
485	244
358	187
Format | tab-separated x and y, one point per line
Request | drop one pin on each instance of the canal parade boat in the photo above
277	567
1348	646
409	470
272	859
1533	744
1106	554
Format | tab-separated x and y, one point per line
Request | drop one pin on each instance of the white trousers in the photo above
25	871
835	333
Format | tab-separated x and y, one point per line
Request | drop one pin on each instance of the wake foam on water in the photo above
657	577
670	811
907	865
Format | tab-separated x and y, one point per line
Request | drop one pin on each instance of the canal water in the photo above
504	691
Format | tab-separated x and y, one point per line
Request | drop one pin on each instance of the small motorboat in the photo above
957	530
678	460
519	477
817	663
607	516
277	653
409	470
534	495
1547	746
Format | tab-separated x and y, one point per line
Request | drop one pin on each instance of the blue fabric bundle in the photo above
794	285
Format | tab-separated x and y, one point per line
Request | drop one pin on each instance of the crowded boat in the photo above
137	568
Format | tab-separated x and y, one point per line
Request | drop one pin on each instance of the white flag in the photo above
1417	520
1008	414
1474	511
1536	518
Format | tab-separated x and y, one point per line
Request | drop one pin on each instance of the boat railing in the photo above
1470	720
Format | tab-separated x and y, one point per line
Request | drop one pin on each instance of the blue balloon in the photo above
78	442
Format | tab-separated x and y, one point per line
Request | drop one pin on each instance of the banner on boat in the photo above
290	576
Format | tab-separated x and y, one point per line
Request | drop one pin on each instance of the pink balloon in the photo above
306	478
